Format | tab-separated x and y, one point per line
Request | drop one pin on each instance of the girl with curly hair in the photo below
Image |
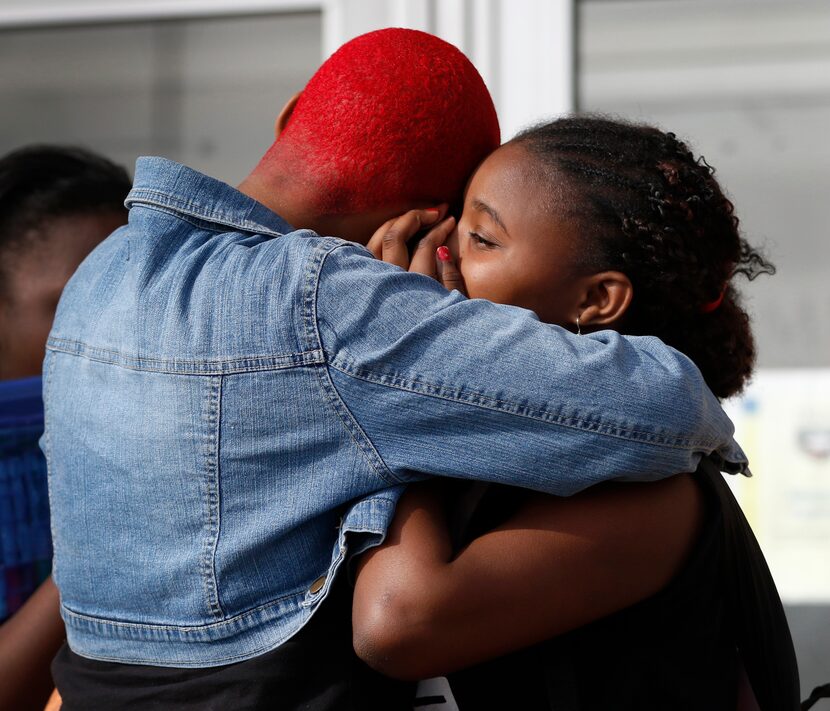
625	596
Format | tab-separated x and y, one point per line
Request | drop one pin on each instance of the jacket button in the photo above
317	585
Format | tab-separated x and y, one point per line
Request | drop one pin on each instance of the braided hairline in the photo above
652	189
655	212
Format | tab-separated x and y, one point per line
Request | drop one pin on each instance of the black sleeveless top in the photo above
315	670
677	650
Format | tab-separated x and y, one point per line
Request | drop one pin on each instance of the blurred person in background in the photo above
56	205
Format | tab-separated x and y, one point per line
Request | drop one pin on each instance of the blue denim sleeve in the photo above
438	384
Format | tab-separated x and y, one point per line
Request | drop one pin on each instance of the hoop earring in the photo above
578	329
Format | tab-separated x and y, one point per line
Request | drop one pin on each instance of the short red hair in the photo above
393	116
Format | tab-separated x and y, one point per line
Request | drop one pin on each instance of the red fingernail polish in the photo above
433	209
443	253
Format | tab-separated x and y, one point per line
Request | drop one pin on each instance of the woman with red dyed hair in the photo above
394	118
626	596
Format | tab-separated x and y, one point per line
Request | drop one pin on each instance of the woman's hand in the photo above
431	257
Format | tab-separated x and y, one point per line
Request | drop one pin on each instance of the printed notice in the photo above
783	423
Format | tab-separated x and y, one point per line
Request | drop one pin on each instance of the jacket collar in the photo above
165	184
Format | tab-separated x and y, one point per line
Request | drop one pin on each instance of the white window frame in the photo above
524	49
38	13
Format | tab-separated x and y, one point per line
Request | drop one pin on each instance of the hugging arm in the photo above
553	566
431	383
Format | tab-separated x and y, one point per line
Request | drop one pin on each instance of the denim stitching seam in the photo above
212	484
486	402
246	364
47	451
83	620
327	386
149	198
183	629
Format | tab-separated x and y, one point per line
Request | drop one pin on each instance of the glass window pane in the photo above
204	92
749	85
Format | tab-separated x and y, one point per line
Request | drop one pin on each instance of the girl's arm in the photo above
28	642
555	565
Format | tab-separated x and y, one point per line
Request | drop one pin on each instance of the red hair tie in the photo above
713	305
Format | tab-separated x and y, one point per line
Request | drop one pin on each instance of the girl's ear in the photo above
607	298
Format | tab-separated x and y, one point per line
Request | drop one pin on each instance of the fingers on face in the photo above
423	259
448	272
389	242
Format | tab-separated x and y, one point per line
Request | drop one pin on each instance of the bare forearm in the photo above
28	642
429	615
556	565
394	591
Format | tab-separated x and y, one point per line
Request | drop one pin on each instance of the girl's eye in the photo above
479	240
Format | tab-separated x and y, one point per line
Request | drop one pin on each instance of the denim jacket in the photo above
233	406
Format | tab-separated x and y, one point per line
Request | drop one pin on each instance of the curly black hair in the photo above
653	211
39	183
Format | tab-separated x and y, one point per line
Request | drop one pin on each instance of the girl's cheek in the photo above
478	279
